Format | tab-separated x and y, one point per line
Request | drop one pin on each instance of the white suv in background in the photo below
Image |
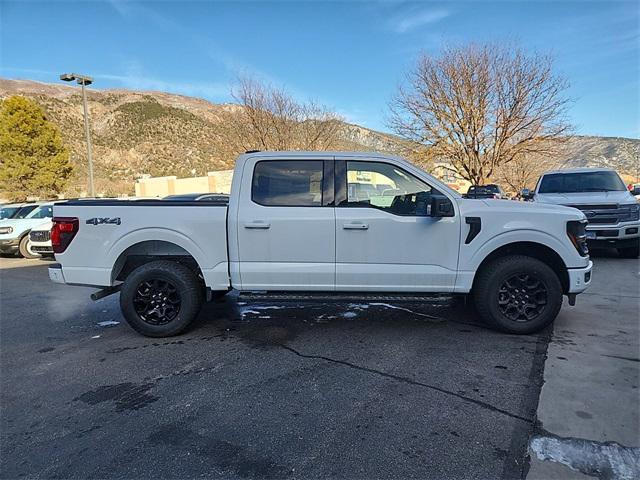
612	211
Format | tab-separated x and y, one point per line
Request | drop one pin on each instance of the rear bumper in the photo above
580	278
55	273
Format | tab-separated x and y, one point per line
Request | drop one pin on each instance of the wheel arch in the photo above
147	251
539	251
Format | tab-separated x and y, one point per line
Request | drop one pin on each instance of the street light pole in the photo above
84	80
87	133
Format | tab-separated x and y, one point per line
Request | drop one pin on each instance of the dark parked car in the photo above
485	191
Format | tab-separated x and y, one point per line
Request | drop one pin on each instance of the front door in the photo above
286	225
384	239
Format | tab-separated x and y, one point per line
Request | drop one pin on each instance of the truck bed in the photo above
109	228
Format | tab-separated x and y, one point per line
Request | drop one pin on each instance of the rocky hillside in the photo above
157	133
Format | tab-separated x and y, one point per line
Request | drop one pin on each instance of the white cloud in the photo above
413	20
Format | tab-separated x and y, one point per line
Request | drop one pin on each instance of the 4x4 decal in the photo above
103	221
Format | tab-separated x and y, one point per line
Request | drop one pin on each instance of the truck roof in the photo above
580	170
310	155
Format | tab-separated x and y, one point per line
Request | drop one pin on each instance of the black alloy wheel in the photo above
157	301
522	297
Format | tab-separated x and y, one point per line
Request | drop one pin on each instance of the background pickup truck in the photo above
296	221
612	211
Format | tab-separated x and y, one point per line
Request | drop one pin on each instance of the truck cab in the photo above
295	222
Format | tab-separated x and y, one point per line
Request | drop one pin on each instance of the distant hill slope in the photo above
159	133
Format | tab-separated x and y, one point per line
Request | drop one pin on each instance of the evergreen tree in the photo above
33	158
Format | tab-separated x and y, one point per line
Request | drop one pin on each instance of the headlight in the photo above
576	230
4	230
632	213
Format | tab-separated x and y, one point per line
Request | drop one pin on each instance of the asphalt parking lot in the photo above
260	390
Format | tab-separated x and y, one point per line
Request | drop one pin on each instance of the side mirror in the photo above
441	207
526	194
635	191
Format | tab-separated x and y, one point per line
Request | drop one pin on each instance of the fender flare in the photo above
518	236
158	234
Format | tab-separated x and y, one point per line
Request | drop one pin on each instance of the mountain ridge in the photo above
160	133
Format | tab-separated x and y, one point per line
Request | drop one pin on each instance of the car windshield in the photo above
43	212
8	212
24	211
602	181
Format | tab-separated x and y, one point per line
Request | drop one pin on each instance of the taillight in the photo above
62	232
576	230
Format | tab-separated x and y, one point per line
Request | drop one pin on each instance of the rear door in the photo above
384	239
286	224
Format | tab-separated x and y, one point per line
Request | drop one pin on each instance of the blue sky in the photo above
348	55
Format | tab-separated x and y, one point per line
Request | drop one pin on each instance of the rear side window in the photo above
287	183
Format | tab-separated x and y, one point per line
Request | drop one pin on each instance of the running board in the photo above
345	297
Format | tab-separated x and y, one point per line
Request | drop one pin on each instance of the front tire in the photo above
24	250
161	298
517	294
630	252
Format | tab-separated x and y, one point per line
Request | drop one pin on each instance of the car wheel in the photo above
630	252
517	294
24	249
161	298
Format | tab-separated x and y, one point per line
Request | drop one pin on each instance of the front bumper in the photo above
55	273
613	233
9	246
42	248
580	278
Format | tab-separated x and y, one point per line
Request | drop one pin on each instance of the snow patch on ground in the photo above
108	323
607	461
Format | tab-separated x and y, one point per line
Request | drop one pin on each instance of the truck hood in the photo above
20	226
514	207
46	226
586	198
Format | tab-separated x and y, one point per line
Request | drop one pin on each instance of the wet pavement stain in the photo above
223	454
126	396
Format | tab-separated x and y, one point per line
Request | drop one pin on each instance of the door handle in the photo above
355	226
257	224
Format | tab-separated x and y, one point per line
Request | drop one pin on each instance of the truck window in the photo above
287	183
402	194
598	181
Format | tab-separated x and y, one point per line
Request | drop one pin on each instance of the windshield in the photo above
581	182
43	212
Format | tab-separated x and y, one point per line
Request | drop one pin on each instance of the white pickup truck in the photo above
325	222
612	210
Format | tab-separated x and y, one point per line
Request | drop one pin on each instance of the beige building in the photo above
214	182
447	174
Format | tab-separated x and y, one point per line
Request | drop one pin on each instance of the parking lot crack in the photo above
409	381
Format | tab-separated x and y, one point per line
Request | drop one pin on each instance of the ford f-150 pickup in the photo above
294	222
612	211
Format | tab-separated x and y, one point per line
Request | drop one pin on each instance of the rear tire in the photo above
23	249
161	298
517	294
630	252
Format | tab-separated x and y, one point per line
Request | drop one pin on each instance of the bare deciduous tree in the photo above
523	171
271	119
482	107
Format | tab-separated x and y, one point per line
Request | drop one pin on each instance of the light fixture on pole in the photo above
84	80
